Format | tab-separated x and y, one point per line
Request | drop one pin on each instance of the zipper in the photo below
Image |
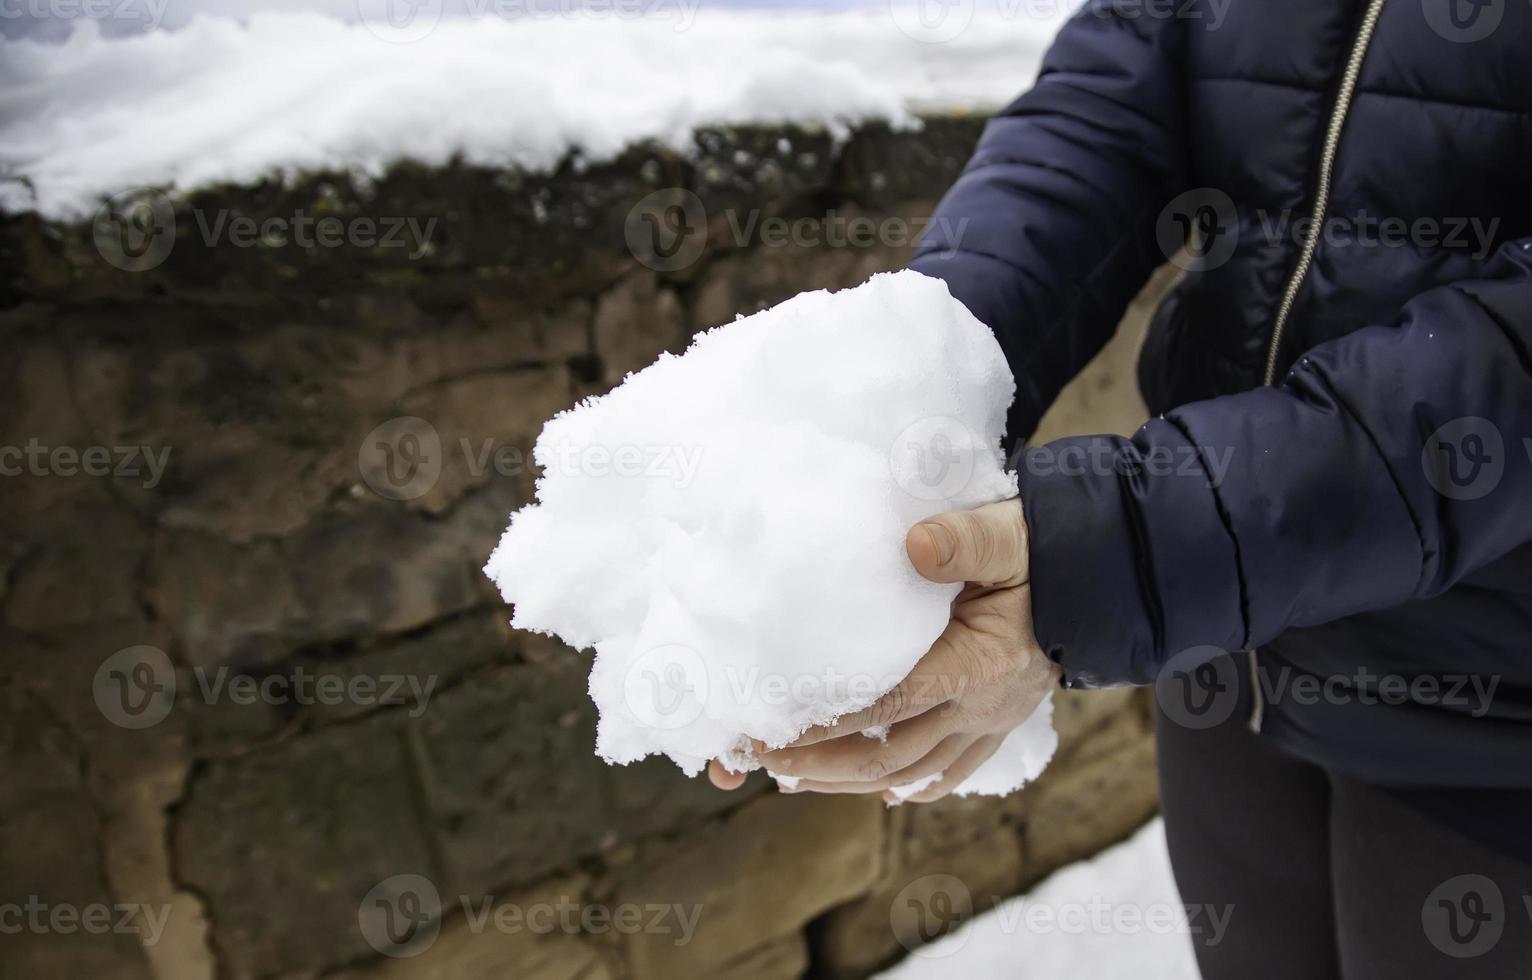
1338	114
1337	123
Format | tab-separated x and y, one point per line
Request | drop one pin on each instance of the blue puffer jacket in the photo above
1369	514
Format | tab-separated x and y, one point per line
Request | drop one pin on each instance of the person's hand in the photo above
982	677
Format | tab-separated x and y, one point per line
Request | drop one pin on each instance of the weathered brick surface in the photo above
286	537
760	876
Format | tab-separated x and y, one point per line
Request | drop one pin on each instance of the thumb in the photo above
987	545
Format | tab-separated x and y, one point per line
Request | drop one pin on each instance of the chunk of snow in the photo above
283	92
726	528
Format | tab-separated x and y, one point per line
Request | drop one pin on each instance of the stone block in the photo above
634	322
529	935
1091	801
285	843
771	867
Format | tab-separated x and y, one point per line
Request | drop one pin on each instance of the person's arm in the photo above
1050	231
1337	492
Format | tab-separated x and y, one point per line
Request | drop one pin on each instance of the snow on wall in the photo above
283	92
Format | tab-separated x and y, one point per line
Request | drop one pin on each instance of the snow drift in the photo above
287	92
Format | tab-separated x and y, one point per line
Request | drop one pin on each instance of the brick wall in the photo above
290	531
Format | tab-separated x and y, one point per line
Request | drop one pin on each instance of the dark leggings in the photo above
1326	878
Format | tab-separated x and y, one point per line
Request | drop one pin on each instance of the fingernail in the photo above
941	540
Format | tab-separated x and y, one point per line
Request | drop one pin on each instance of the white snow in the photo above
284	92
1116	916
726	528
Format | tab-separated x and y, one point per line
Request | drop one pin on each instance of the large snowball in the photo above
726	528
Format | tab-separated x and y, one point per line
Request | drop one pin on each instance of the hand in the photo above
982	677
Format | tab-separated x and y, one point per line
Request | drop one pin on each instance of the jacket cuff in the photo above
1132	560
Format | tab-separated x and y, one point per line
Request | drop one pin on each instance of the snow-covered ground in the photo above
1114	917
283	91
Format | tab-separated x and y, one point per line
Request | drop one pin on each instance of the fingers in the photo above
723	778
864	760
972	758
946	752
930	685
987	545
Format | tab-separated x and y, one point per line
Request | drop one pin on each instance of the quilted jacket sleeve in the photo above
1388	465
1050	231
